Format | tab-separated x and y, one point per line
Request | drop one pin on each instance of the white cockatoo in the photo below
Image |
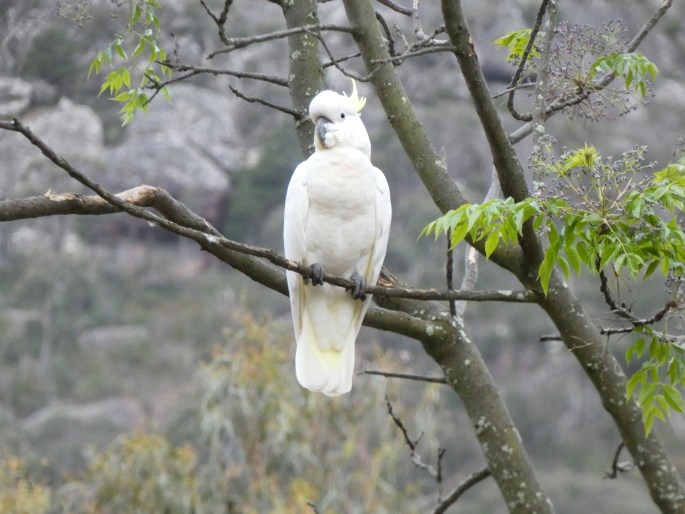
337	219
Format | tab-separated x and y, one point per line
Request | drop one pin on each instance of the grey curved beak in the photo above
321	129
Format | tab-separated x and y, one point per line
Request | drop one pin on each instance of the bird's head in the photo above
337	121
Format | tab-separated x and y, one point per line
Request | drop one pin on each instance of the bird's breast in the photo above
341	224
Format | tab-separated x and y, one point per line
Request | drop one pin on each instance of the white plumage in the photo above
337	215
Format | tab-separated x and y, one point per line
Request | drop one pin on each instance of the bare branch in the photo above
309	502
388	34
465	485
335	62
242	42
197	70
416	53
468	281
341	59
649	25
251	99
221	19
405	376
522	64
407	11
192	71
616	466
624	312
449	271
412	444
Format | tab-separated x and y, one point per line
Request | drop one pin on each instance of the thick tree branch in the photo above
584	340
509	169
305	75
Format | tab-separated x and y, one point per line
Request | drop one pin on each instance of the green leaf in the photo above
585	157
638	378
491	243
573	257
635	350
673	397
516	42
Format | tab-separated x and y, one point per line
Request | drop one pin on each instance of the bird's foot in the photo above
316	274
358	290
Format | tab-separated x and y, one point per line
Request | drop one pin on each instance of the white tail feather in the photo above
325	362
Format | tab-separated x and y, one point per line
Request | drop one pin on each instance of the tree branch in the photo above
297	116
465	485
405	376
407	11
237	43
625	313
412	444
616	466
522	64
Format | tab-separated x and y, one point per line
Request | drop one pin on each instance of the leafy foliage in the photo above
599	213
656	382
633	67
144	473
142	57
18	493
582	60
266	436
516	42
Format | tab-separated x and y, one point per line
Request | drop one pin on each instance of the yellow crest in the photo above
358	102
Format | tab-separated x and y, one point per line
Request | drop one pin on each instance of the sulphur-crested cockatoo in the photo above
337	219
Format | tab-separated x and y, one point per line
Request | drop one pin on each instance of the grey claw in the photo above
358	290
316	274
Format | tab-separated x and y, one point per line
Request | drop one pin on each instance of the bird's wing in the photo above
295	244
377	254
383	217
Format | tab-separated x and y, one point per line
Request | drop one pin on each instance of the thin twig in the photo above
412	444
624	312
241	42
388	34
340	59
409	54
197	70
464	486
193	71
449	271
407	11
313	506
252	99
336	62
220	20
616	466
405	376
522	64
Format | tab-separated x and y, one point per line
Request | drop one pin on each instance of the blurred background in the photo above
137	372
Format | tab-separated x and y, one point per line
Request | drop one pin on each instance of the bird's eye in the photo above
342	115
